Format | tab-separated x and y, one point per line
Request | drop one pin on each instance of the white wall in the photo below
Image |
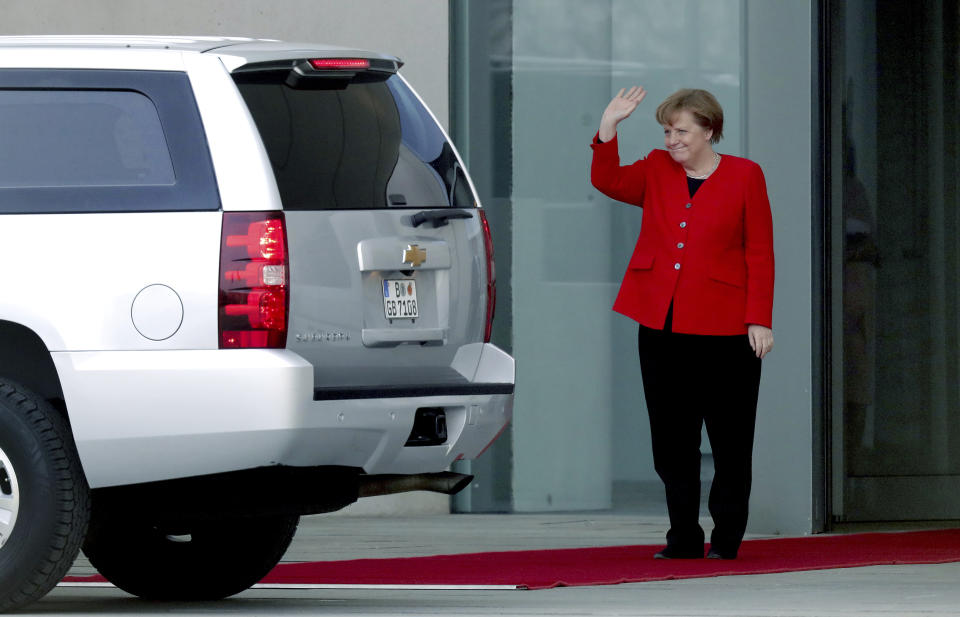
414	30
779	132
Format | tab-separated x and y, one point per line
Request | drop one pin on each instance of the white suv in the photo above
246	281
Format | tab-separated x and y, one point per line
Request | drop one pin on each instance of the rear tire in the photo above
44	499
202	560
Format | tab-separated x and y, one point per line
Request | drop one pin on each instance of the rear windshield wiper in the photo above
438	218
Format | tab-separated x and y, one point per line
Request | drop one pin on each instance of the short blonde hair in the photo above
704	107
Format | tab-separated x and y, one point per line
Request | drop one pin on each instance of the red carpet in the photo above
624	564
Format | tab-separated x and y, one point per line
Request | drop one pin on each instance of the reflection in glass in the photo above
895	80
325	146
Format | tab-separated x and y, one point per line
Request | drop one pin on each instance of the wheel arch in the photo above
25	359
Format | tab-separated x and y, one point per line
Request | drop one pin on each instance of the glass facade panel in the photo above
895	89
580	423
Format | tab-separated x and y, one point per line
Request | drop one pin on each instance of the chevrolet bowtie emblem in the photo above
414	255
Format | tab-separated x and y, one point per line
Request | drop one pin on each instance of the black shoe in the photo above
672	552
715	554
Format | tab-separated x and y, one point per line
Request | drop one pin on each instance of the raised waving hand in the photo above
620	109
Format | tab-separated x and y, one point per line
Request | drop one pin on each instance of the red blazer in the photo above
711	255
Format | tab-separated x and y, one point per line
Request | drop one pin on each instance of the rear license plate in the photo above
400	299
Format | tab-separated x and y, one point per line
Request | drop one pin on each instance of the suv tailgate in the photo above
387	257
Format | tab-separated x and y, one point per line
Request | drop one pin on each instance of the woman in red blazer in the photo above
700	284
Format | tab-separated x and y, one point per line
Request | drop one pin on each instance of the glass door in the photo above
895	246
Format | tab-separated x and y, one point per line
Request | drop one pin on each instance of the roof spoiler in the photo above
322	73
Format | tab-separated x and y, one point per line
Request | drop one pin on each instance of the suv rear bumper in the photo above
156	415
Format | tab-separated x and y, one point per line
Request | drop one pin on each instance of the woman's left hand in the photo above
761	339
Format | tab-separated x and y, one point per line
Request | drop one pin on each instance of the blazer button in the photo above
679	245
689	205
676	266
683	224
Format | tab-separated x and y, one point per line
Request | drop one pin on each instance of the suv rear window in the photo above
369	145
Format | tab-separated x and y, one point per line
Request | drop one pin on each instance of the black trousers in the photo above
689	380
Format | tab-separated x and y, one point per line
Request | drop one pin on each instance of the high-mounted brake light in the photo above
254	280
491	276
333	64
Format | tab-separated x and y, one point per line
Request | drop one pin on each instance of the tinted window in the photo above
102	141
369	145
55	138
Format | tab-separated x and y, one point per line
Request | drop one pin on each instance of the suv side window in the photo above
370	144
101	141
55	138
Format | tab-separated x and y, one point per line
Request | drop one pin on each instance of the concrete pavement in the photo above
874	591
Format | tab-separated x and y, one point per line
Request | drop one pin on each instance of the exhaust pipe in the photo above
446	482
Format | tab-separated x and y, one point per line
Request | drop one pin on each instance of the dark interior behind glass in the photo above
59	138
84	140
368	145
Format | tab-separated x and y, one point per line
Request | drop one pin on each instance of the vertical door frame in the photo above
822	330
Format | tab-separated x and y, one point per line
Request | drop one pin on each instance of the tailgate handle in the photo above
438	218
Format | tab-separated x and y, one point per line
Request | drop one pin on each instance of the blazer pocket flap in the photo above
731	275
641	261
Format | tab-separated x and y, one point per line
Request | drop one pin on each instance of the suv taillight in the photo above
254	280
491	276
